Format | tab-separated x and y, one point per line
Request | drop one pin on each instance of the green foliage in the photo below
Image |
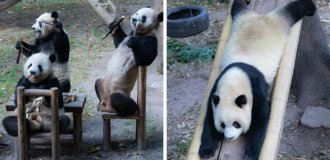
186	53
181	146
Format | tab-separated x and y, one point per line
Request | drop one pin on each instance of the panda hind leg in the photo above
10	124
238	7
124	105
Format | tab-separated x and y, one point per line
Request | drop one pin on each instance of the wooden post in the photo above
55	124
106	133
141	101
22	139
77	132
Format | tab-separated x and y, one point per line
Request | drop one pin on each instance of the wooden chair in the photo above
236	149
140	116
41	142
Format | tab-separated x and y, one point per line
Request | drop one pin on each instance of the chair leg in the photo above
28	142
106	134
140	130
77	132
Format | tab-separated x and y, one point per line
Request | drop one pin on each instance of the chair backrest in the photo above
22	137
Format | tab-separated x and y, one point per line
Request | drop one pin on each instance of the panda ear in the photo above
52	58
54	14
241	100
160	17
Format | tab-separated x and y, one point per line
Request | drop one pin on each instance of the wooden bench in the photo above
41	141
234	150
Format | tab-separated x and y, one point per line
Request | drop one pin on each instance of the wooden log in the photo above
107	15
22	139
7	3
141	101
195	143
55	124
280	96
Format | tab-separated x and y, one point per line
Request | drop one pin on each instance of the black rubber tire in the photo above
181	24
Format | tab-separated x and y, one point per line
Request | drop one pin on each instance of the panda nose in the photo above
32	72
33	28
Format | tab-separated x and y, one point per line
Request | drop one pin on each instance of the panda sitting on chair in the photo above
137	49
38	74
51	39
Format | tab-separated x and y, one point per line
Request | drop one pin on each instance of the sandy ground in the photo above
186	87
77	19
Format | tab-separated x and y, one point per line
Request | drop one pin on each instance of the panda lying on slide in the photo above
113	90
238	100
38	74
51	39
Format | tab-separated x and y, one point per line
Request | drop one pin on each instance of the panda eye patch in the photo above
223	125
40	24
40	68
144	19
241	100
236	125
216	99
29	66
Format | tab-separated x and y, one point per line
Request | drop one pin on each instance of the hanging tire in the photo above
185	21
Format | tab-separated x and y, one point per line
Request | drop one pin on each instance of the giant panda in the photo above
38	74
51	39
139	48
238	102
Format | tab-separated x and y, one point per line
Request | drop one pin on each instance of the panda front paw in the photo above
57	25
19	45
113	25
132	42
206	152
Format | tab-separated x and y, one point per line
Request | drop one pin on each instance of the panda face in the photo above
43	26
232	104
38	67
144	20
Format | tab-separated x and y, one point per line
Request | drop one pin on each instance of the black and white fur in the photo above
51	39
38	74
139	48
238	101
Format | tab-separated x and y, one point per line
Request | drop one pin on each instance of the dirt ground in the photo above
88	60
187	84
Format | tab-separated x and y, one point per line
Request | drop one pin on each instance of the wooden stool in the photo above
140	116
41	141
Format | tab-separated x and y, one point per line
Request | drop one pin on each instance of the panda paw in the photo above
58	25
19	45
113	25
26	82
206	152
132	42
